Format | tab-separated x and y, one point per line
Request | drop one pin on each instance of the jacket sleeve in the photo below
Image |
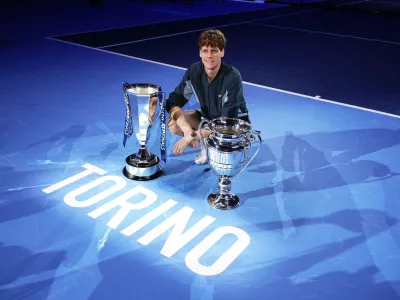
180	96
233	96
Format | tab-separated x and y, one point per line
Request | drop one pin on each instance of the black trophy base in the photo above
223	201
142	178
142	169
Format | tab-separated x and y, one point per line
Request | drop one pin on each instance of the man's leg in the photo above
193	118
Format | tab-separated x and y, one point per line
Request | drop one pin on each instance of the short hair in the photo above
213	38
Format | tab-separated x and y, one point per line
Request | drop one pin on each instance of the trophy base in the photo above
223	201
142	170
142	178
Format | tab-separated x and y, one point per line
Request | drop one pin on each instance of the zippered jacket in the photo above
222	97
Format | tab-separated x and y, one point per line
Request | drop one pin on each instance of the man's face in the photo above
211	57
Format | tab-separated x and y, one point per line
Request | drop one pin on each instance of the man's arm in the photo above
179	97
190	136
177	115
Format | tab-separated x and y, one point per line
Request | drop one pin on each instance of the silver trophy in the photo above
144	106
227	151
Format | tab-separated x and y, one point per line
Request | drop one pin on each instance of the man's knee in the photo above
173	127
193	118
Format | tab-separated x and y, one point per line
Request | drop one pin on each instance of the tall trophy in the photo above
227	151
145	104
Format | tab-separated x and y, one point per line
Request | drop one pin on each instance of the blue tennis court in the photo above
319	213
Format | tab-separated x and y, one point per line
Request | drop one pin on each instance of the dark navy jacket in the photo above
222	97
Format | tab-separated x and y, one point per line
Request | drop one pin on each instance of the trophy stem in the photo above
143	152
225	183
143	165
224	199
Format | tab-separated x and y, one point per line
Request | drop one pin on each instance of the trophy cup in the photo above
227	152
144	106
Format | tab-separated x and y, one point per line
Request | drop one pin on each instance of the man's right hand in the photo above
185	142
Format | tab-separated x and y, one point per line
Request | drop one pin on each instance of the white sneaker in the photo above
201	158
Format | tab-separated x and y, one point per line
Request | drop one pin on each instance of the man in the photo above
217	87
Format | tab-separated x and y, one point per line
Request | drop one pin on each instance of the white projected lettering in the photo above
226	258
70	198
90	169
147	218
176	239
179	235
126	207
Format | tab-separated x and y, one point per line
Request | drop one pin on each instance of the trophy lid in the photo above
143	89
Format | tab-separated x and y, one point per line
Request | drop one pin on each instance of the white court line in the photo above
202	29
386	2
278	5
327	33
252	2
225	25
244	82
323	100
165	22
119	54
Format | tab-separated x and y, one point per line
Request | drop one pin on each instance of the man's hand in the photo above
194	144
185	142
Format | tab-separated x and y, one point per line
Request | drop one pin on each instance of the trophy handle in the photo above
125	86
129	128
207	128
252	135
157	101
163	142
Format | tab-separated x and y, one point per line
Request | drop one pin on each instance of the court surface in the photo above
319	213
